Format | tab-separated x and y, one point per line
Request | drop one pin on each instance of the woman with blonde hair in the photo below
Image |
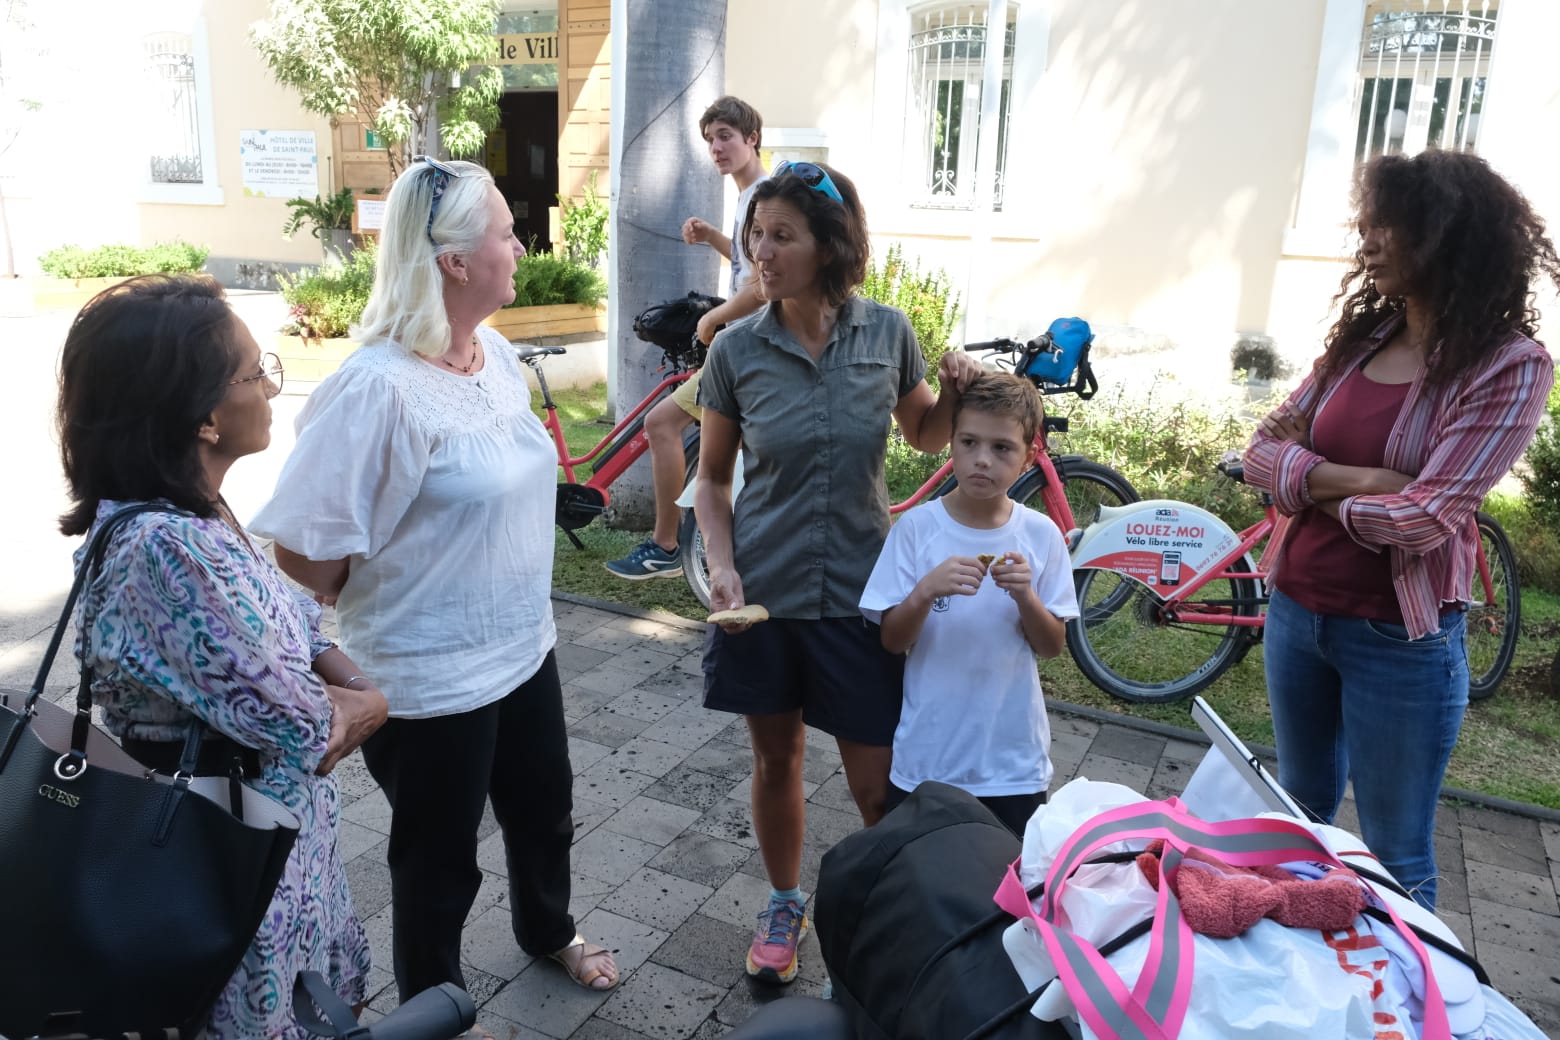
419	498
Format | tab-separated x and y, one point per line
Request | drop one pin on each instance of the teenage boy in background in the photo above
733	130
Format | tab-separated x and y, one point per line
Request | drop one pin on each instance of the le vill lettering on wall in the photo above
527	48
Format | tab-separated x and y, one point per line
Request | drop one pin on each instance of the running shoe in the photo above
772	957
648	560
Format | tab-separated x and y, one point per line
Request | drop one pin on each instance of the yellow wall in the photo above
244	97
1174	134
78	175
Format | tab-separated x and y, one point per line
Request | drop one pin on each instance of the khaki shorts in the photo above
687	395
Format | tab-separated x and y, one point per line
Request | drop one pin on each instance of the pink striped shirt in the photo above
1457	440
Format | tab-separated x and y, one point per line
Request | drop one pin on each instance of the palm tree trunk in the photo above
675	67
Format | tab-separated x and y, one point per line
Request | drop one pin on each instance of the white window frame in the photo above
971	114
895	180
1321	209
209	191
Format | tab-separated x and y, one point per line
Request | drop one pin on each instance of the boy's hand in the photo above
696	232
955	576
1012	575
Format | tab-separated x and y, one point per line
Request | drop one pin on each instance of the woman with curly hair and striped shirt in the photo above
1429	389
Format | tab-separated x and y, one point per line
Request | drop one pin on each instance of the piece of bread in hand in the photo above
985	559
751	614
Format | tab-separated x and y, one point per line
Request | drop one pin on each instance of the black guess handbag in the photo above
127	898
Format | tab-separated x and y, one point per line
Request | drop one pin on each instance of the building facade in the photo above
1175	171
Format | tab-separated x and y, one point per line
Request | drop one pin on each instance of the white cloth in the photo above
973	714
439	487
741	264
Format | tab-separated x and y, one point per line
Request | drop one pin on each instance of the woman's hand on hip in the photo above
355	715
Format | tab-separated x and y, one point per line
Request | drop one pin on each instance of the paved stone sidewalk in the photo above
667	871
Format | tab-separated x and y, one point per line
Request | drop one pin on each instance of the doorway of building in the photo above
523	155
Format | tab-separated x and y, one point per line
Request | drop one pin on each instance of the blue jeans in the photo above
1353	697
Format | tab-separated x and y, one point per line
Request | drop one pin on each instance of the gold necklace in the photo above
465	369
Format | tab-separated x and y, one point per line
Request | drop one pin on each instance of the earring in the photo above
464	280
215	437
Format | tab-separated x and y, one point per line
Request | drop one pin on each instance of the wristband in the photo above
347	682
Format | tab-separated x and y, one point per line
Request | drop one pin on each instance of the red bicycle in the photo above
1171	598
580	503
1070	489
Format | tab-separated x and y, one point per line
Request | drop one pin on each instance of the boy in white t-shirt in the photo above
973	715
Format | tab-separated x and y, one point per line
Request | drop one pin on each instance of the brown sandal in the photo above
578	973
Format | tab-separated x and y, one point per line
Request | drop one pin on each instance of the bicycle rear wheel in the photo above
1493	625
1124	644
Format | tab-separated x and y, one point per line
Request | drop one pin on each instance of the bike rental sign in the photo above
1159	543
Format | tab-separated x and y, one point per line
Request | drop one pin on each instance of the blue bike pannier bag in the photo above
1070	336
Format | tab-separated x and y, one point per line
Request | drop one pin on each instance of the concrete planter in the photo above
311	360
520	324
53	294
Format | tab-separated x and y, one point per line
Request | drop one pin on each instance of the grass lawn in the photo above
1510	744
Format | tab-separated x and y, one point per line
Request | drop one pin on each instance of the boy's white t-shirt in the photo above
973	712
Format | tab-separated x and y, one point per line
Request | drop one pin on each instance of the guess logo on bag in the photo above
54	794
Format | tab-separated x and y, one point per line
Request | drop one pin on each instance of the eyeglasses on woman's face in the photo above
270	371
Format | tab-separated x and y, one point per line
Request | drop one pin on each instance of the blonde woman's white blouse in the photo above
439	488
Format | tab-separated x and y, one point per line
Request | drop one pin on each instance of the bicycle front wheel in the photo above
1124	643
696	568
1493	623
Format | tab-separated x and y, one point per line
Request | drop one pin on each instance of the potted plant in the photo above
325	302
329	219
554	296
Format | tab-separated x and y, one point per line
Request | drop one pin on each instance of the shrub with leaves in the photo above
1541	478
123	261
584	226
1167	446
325	302
545	279
927	299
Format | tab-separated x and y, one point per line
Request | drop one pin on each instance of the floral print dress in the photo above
188	619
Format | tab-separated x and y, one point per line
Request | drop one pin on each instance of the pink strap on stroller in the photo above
1156	1007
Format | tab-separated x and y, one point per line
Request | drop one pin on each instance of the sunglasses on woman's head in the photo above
442	172
815	177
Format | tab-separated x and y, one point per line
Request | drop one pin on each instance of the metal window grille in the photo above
947	76
1424	66
174	130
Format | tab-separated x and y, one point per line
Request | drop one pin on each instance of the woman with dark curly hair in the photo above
805	388
1428	390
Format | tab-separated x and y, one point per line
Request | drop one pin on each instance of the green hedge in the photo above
123	261
547	279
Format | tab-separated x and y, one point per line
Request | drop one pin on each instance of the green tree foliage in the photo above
403	65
